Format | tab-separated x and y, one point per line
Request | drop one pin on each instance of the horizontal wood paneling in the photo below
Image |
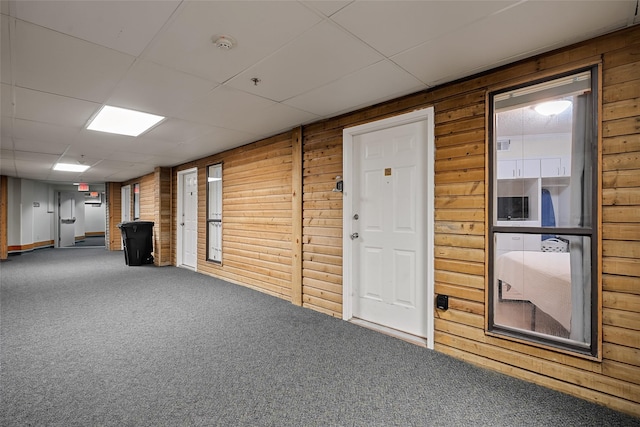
257	215
259	223
322	222
460	240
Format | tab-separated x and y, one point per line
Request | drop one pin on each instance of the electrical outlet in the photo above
442	302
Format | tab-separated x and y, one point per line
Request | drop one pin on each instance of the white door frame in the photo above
179	237
348	135
125	203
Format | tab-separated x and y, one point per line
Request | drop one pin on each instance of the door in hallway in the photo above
389	212
188	219
66	220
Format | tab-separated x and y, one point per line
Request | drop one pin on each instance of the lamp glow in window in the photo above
552	108
122	121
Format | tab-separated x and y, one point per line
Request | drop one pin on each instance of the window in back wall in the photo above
543	278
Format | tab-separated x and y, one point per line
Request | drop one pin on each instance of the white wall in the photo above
28	219
14	203
537	146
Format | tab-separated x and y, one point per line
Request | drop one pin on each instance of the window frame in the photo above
593	232
214	220
135	193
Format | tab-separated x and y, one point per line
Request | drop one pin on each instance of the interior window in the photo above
214	213
544	157
136	201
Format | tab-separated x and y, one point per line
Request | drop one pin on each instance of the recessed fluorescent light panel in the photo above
70	167
123	121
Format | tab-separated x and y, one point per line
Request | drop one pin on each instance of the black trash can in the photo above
137	237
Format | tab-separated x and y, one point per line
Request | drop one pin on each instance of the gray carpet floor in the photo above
89	341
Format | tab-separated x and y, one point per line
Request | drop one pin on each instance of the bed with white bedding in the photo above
543	278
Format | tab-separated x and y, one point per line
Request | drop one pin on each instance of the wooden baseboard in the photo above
30	246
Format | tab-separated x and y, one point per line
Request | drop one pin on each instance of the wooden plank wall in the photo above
460	231
4	197
621	215
113	236
162	216
322	220
147	197
256	217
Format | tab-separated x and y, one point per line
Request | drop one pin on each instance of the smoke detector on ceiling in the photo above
224	42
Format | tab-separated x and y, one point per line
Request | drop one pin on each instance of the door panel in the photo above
67	220
389	251
190	219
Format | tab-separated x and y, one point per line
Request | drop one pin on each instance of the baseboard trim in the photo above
413	339
17	249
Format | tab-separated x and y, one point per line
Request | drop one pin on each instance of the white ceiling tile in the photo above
216	141
562	26
394	26
29	156
28	167
82	70
157	89
53	109
115	164
358	89
126	26
5	50
8	167
224	107
159	160
43	134
176	131
41	146
6	154
277	118
127	174
318	57
6	107
125	156
327	7
92	140
259	27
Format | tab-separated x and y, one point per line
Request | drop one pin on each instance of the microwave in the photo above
513	208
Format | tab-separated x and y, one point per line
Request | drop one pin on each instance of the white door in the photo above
388	233
188	219
66	220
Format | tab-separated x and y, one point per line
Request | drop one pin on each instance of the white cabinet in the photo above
529	168
514	169
507	169
534	168
555	166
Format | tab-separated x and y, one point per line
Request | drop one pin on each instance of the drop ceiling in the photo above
61	61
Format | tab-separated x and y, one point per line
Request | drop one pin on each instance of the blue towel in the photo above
548	216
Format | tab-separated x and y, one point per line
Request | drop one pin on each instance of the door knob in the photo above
354	236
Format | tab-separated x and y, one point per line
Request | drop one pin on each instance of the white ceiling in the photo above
63	60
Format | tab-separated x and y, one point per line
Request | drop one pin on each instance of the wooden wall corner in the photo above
296	216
